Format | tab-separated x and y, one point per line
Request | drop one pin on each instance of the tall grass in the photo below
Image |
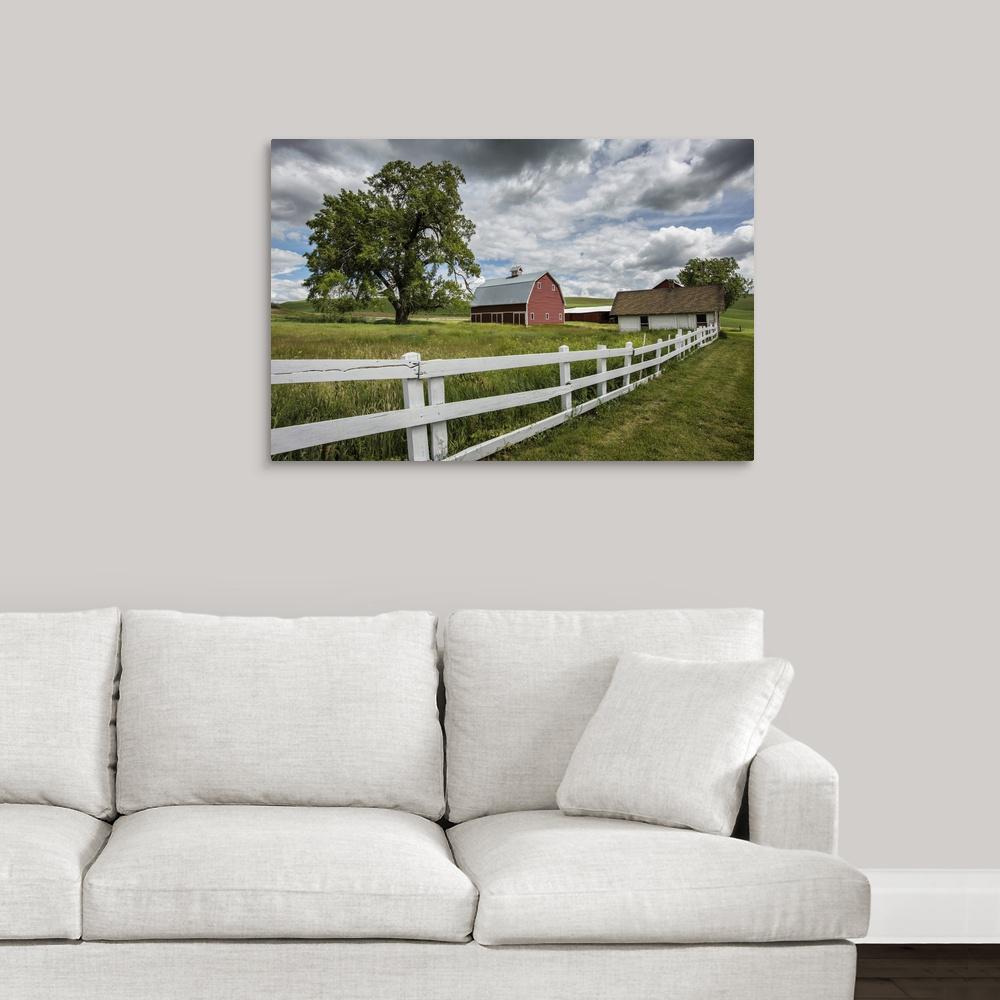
299	404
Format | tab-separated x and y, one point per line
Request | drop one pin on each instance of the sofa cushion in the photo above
57	687
522	685
276	872
672	740
272	711
547	878
44	851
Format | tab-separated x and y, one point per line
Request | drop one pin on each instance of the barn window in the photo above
701	319
643	322
532	315
560	315
546	315
539	286
553	286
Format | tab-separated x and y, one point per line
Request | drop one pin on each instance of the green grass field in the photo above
701	409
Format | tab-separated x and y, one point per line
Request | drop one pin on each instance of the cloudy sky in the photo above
601	214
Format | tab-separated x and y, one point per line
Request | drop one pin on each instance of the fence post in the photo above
438	430
565	377
659	351
602	367
413	397
627	378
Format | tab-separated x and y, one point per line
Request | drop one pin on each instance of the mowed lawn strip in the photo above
699	410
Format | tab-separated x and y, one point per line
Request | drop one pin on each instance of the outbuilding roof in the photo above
506	291
668	301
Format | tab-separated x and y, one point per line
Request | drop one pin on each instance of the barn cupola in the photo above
516	271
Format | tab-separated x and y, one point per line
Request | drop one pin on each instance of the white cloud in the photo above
622	255
288	234
285	261
287	290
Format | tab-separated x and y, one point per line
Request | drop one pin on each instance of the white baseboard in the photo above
934	906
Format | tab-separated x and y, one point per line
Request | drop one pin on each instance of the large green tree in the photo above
403	237
717	271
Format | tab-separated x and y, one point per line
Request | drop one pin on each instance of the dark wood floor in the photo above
928	971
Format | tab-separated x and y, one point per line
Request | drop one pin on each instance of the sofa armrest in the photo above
792	796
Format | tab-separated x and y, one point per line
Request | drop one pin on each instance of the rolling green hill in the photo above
583	300
740	316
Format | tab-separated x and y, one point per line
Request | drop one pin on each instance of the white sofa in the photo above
201	807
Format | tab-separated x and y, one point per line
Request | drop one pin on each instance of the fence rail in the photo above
425	418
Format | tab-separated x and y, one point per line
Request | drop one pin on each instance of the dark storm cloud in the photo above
719	165
494	157
476	157
305	169
329	152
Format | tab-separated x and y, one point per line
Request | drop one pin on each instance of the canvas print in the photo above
456	300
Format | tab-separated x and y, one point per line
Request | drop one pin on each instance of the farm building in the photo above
525	299
589	314
669	283
669	308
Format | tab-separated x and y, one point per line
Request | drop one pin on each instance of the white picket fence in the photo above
425	420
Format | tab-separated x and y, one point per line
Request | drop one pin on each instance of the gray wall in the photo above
135	401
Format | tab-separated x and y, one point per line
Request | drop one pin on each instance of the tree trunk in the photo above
402	315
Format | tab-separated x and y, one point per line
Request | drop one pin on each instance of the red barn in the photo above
669	283
525	299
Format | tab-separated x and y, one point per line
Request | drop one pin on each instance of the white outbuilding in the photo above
669	308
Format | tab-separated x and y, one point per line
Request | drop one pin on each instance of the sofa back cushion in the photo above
57	691
272	711
521	687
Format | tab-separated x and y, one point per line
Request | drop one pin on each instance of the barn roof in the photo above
667	301
506	291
